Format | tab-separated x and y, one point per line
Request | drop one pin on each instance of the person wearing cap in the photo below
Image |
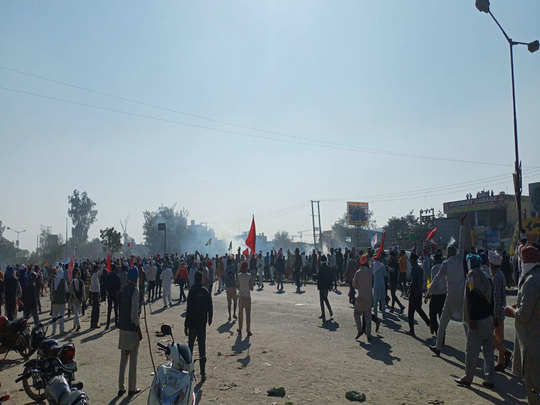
478	316
526	313
324	284
363	282
499	299
129	332
415	294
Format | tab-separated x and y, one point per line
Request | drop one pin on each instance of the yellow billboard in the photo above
357	213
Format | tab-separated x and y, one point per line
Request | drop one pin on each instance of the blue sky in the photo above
420	78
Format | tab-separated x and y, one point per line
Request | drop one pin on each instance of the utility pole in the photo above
317	232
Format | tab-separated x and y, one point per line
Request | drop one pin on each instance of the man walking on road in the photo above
324	284
166	281
415	294
199	312
362	282
452	271
95	296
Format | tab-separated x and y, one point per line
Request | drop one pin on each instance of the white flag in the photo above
374	240
451	242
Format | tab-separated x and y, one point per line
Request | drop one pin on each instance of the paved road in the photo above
290	348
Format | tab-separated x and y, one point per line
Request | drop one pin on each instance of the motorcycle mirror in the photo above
166	330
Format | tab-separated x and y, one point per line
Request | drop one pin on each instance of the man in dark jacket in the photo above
415	293
112	286
199	312
324	283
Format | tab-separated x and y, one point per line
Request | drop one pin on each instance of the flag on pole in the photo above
379	252
70	268
230	246
108	263
251	239
431	234
246	252
451	241
209	242
374	241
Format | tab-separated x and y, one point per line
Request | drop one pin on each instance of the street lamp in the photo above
17	232
483	6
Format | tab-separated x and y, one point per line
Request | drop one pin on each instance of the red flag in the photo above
108	263
431	234
46	263
131	261
70	268
380	247
246	252
252	236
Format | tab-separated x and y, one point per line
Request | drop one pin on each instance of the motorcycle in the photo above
37	372
15	335
57	390
173	383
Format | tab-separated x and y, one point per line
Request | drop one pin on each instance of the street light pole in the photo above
483	6
17	232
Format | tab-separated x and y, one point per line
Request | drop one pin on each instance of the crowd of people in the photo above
466	286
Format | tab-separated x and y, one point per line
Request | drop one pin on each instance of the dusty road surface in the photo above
289	348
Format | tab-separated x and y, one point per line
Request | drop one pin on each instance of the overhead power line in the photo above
291	138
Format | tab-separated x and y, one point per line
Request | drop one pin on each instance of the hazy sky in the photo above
320	94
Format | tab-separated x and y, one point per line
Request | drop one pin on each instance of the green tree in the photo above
83	214
176	225
282	240
406	231
111	240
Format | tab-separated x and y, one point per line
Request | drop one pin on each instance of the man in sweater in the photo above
130	333
478	316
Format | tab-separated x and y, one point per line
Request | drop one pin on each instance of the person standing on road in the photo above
130	333
324	284
363	282
436	293
229	279
182	276
352	266
297	268
451	270
59	299
12	290
499	302
166	281
244	283
77	298
478	315
260	271
415	294
199	312
151	275
280	269
112	285
379	287
527	320
94	296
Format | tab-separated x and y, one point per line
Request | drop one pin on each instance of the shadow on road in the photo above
508	390
241	345
380	350
226	327
331	325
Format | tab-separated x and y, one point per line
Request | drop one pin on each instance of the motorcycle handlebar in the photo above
161	346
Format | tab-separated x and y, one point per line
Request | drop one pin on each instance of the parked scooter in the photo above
37	371
173	383
15	336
